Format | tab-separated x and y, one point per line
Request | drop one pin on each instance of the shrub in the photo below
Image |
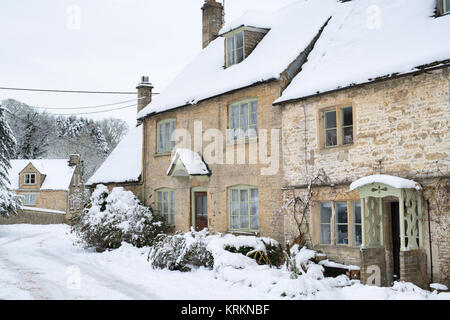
181	251
272	253
114	217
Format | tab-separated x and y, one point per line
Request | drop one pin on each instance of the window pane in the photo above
341	212
325	234
234	195
230	50
254	106
325	212
239	55
160	137
347	116
244	221
254	223
244	195
347	135
331	137
358	235
234	222
330	119
234	208
254	194
342	234
240	40
447	5
357	212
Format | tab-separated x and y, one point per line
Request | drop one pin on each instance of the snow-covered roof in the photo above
365	40
124	164
251	18
291	30
192	162
58	173
395	182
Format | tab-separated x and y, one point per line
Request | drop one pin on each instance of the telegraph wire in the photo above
92	112
89	107
67	91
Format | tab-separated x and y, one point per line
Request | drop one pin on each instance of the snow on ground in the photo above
41	262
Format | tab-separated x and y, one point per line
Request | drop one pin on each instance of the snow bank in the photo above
395	182
124	164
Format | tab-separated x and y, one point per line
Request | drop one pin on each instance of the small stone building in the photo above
49	189
123	166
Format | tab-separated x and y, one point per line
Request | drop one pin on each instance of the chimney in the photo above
144	91
212	21
74	160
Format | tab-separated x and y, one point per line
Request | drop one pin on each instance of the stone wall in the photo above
48	199
373	266
213	114
401	128
413	267
34	217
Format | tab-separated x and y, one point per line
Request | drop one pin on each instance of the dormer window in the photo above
30	178
446	6
235	48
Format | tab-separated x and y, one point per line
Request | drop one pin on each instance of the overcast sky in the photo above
111	45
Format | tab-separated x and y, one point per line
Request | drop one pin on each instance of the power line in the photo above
90	107
67	91
92	112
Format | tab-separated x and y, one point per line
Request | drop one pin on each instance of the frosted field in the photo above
41	262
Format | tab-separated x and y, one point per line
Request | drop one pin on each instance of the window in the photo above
71	204
341	223
357	229
244	119
338	126
30	178
30	199
165	202
325	223
244	208
165	131
234	48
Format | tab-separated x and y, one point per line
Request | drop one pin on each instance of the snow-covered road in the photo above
41	262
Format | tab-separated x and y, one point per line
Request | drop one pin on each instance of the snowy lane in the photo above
38	271
41	262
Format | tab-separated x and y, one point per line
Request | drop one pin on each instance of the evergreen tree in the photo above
9	203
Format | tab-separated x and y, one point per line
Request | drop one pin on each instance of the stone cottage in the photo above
325	122
366	127
50	189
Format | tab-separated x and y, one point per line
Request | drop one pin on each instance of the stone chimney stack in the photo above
144	90
74	160
212	21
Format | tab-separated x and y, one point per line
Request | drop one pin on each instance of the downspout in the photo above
429	232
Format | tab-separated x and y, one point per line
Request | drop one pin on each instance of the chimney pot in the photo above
212	21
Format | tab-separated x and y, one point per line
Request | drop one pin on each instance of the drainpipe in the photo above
429	232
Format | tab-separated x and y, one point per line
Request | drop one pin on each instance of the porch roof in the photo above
192	162
393	181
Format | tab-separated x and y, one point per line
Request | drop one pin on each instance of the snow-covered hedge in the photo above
196	249
117	216
181	251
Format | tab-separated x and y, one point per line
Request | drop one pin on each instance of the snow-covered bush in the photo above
117	216
301	262
181	251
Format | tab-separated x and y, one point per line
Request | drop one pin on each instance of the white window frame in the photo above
165	144
29	196
235	49
27	176
251	217
161	204
250	131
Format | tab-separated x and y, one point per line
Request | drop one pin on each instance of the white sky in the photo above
117	42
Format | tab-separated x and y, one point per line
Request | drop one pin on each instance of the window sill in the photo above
162	154
336	148
242	141
243	232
